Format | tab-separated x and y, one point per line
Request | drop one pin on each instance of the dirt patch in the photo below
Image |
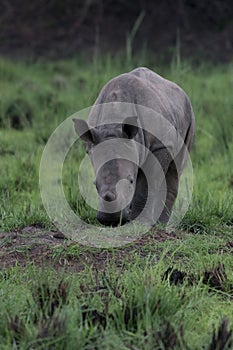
40	247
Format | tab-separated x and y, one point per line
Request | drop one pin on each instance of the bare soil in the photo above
37	246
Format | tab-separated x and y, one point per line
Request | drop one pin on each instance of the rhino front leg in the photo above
172	182
149	199
142	207
140	196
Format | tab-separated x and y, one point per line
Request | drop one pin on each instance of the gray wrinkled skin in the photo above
146	88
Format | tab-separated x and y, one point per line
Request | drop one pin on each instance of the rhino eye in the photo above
130	178
88	150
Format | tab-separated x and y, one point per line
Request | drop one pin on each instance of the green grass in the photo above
126	303
131	307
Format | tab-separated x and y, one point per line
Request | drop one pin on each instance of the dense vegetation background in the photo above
57	28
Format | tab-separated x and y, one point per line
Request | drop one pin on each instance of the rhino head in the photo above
115	179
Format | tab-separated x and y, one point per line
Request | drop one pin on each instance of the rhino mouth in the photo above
112	219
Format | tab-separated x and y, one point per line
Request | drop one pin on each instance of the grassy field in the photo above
163	291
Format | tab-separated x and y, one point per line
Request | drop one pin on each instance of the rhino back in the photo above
172	101
144	87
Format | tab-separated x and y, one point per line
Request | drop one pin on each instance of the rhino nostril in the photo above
109	196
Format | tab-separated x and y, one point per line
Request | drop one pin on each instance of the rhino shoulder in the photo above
154	78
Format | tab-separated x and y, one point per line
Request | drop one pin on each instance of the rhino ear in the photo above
82	129
130	127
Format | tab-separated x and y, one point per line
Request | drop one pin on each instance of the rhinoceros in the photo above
147	115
